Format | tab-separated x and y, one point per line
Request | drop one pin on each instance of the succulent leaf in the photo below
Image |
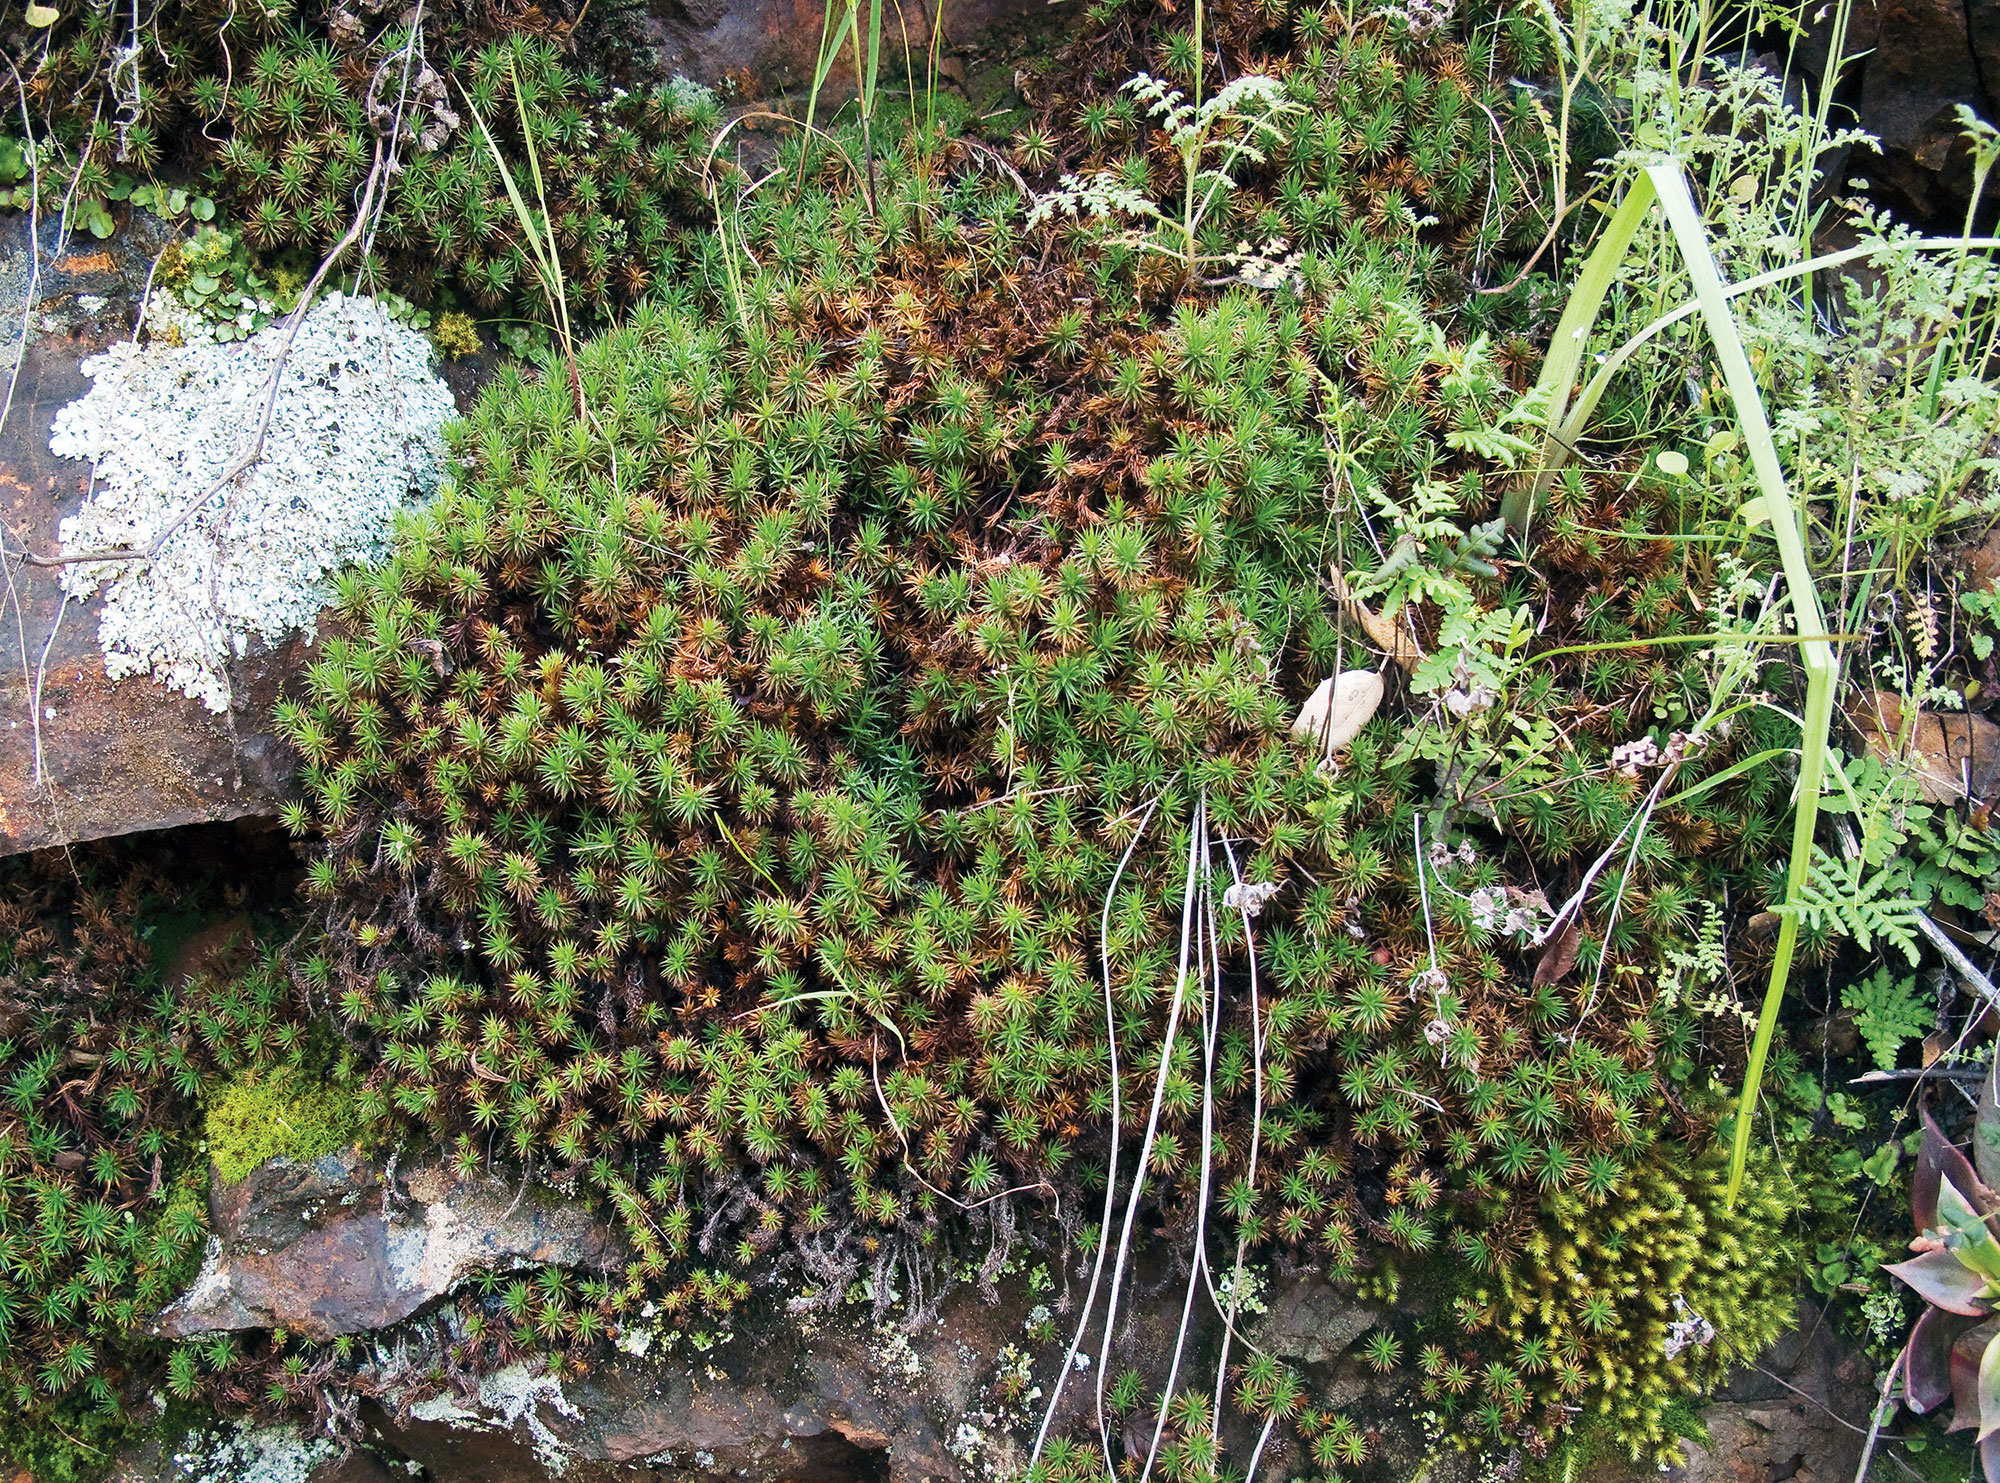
1941	1279
1927	1357
1986	1127
1938	1158
1989	1389
1968	1356
1969	1233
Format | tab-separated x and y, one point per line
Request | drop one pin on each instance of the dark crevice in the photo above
832	1458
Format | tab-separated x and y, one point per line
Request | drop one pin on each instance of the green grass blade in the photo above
1821	666
1733	771
527	133
1572	335
1586	403
543	268
549	251
831	38
874	57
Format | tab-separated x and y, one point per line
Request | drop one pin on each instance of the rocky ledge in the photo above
770	1394
345	1245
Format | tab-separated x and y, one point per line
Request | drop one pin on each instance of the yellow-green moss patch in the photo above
271	1113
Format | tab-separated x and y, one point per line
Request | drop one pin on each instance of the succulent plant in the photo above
1951	1353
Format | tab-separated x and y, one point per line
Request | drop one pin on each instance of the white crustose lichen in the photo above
357	431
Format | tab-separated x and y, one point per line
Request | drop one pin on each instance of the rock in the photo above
1921	69
1312	1322
1980	562
767	1396
1955	755
765	48
1982	22
1909	65
83	756
1801	1412
331	1247
816	1399
819	1418
236	1452
356	1467
1336	711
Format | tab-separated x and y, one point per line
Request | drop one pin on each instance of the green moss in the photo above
276	1113
1622	1310
75	1442
1591	1446
1930	1453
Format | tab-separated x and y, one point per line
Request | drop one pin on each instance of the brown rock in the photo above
837	1403
328	1248
1799	1413
1312	1322
1922	69
115	757
82	757
356	1467
1982	22
765	47
831	1399
1980	563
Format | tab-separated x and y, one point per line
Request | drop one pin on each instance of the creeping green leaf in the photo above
1880	1165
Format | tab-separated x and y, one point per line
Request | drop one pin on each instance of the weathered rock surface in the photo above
1799	1413
1911	63
835	1403
765	1396
1312	1323
771	47
827	1412
341	1246
1921	69
80	756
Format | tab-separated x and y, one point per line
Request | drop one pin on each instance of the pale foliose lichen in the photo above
243	1453
510	1398
357	431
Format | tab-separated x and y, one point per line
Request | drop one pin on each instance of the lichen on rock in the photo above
510	1398
356	432
240	1452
